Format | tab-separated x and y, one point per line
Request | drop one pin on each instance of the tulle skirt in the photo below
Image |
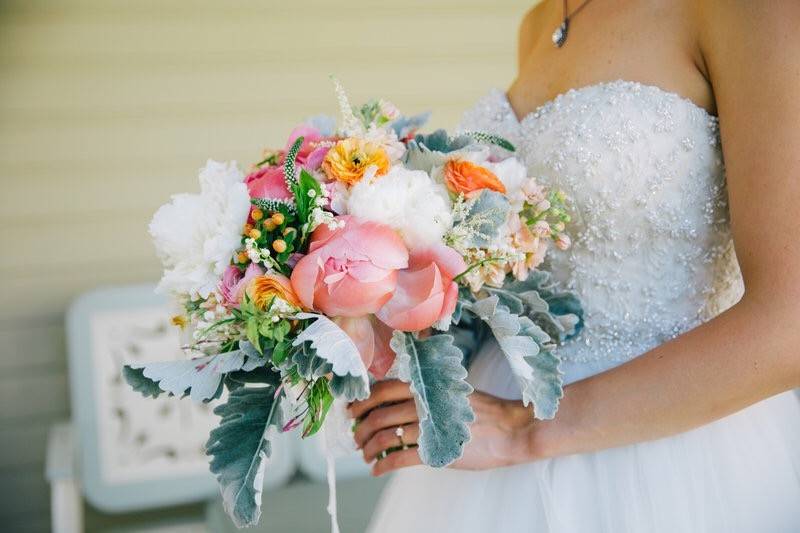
738	474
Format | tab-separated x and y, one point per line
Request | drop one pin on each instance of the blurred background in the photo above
107	107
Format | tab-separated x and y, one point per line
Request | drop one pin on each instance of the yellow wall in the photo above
109	106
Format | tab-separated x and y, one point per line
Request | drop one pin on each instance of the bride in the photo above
679	414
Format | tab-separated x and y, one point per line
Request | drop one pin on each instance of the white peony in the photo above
407	200
196	234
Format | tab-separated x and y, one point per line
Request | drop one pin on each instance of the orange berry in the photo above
256	214
254	234
269	225
279	245
242	257
247	229
278	218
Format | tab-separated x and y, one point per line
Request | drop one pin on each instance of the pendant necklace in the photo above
560	35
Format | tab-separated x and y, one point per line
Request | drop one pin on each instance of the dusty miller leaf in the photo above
200	377
432	367
527	348
332	344
240	447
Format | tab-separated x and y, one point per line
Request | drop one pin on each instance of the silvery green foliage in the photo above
311	366
200	378
334	346
240	447
432	367
145	386
440	141
558	312
425	152
482	221
405	126
527	348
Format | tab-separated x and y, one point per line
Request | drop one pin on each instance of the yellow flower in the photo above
349	159
263	289
179	320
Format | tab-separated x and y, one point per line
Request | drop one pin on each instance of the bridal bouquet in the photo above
353	254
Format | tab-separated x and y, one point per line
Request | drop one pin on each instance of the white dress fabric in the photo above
652	257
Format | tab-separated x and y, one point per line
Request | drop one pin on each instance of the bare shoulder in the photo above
727	25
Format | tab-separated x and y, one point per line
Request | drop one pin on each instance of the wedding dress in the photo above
652	257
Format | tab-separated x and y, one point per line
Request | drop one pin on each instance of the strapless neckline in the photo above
615	84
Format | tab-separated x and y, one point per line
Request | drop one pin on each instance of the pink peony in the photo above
426	292
267	182
350	271
234	283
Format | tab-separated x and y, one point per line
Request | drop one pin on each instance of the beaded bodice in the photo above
652	254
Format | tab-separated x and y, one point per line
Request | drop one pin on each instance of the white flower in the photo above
514	176
407	200
196	234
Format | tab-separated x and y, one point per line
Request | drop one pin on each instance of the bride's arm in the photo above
750	352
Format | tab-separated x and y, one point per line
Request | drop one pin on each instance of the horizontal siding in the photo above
109	106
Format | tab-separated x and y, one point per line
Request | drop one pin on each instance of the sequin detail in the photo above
652	254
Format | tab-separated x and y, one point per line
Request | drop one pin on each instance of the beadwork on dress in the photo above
652	253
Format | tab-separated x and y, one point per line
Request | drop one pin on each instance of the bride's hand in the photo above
501	433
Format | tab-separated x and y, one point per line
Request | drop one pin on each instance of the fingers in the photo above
382	392
384	417
387	438
395	461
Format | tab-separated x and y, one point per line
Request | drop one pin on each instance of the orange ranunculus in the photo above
465	177
262	289
349	159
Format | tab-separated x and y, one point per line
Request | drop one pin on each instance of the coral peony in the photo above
426	292
350	271
372	338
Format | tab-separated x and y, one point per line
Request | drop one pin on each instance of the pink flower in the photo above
234	283
426	292
350	271
314	148
267	182
372	339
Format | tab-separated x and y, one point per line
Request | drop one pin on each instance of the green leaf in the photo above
490	138
136	379
240	448
527	348
432	367
290	164
319	402
252	333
